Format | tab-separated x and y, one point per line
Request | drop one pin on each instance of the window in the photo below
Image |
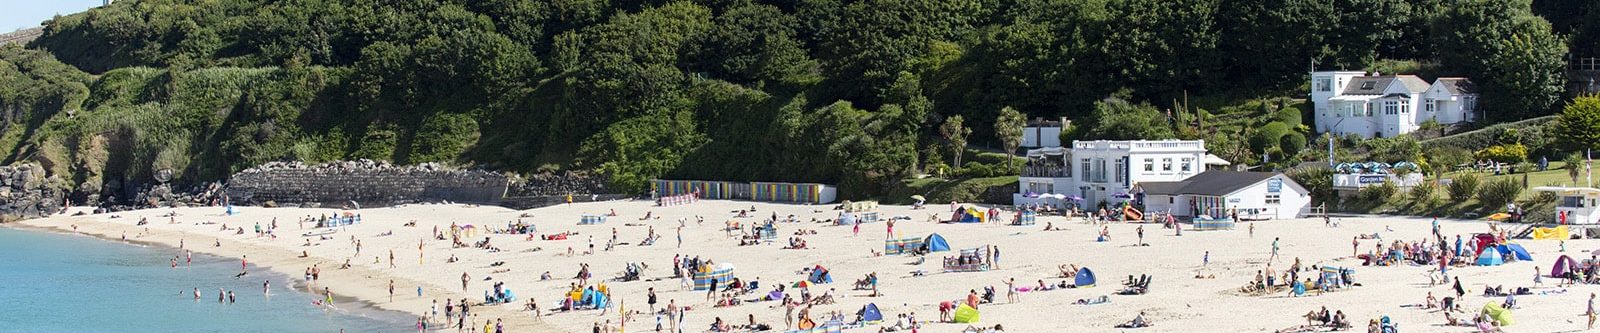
1100	170
1122	171
1367	85
1086	172
1149	165
1428	105
1185	164
1391	107
1324	84
1272	199
1405	106
1166	164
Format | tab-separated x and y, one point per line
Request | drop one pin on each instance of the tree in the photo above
1008	128
1573	161
956	133
1118	119
1511	54
1578	126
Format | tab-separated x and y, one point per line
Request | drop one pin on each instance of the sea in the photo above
57	282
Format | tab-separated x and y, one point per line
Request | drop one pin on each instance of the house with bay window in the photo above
1376	105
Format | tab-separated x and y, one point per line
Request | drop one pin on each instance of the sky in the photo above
18	14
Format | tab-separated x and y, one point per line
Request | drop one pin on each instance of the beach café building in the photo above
1218	194
1091	172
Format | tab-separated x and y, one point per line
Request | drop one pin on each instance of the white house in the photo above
1042	133
1348	102
1252	195
1106	171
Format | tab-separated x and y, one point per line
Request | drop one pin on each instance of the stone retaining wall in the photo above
368	183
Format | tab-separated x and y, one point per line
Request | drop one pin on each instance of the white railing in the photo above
1125	145
1364	180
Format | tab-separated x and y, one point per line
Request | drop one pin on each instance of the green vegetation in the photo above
853	92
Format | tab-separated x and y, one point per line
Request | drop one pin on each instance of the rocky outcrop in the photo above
365	182
26	192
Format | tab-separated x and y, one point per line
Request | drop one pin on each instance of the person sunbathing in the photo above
1137	322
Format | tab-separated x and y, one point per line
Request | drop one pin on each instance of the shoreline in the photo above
357	290
345	304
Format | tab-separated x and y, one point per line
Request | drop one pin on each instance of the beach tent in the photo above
870	314
820	275
722	274
592	219
936	243
1084	278
1490	258
1517	251
1484	241
1500	315
966	314
968	215
1563	265
846	219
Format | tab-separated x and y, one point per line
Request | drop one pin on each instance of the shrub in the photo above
1292	143
1423	194
1506	153
1462	187
1498	192
1378	193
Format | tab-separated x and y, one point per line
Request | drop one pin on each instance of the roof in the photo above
1568	191
1458	85
1214	183
1376	85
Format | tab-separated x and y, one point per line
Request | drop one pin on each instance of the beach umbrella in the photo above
1076	198
1596	252
919	197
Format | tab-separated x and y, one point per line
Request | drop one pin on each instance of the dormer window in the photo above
1368	85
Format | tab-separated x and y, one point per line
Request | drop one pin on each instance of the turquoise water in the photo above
52	282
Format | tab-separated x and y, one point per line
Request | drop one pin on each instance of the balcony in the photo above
1046	171
1141	145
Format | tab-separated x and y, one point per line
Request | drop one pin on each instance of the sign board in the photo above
1377	179
1274	185
1234	200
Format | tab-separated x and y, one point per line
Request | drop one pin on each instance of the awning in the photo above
1048	151
1215	160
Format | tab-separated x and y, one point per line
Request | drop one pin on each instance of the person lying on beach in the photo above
1137	322
1068	271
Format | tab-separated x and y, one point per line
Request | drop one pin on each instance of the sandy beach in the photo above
1177	301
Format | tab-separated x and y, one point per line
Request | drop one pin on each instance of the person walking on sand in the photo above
1252	230
464	279
1140	231
1011	290
1274	256
1538	280
1355	246
391	258
680	236
1590	312
1206	261
391	291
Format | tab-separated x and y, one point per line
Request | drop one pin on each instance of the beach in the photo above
1176	301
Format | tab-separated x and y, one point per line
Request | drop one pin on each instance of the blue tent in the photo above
1084	278
1490	258
820	276
1519	252
936	243
870	314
